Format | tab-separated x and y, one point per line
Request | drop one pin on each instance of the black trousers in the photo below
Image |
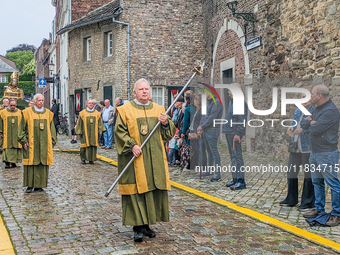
308	197
197	153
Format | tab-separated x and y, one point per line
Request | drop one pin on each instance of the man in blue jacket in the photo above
234	133
324	158
211	134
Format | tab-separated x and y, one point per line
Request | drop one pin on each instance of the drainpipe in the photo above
128	53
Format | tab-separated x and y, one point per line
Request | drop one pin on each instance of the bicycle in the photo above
63	126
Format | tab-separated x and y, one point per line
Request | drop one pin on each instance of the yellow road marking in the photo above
110	161
256	215
264	218
6	247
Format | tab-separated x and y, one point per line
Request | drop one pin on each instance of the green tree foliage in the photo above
25	77
21	58
29	69
26	86
23	46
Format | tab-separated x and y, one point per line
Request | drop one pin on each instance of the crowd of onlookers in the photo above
313	149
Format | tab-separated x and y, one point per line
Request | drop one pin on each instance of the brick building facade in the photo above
165	44
300	48
42	59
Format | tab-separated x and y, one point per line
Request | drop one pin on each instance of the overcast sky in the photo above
24	21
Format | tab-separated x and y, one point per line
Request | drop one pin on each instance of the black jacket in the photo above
231	128
55	110
324	133
213	112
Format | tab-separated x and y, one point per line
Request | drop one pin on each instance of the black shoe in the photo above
38	189
7	165
83	162
91	162
284	203
238	186
148	232
215	179
13	165
138	234
229	184
206	174
312	214
29	190
305	208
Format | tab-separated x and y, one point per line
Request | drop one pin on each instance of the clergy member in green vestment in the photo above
9	123
5	104
37	135
144	186
89	125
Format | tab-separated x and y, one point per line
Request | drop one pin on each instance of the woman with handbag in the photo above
188	113
299	149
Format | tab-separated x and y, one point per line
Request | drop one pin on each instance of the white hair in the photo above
140	80
36	97
88	100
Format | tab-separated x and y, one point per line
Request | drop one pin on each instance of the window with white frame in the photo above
3	79
88	49
157	94
88	94
109	44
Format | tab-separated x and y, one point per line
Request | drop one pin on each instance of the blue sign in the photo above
253	43
42	82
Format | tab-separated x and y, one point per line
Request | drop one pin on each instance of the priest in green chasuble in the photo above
144	186
9	123
89	125
37	135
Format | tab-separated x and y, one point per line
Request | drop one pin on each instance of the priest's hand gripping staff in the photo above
197	70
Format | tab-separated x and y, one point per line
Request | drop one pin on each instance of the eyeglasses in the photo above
12	105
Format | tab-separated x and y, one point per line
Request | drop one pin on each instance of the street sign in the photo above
42	83
49	80
253	43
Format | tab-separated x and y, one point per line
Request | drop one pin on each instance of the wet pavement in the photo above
72	216
263	193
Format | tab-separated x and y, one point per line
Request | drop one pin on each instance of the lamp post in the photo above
232	6
247	16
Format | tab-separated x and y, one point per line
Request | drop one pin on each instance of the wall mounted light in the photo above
247	16
51	68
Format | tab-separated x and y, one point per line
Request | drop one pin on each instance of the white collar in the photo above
37	109
139	103
89	109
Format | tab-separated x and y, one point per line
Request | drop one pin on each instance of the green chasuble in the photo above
37	128
9	124
144	186
89	125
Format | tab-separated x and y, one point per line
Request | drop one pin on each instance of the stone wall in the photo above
300	48
100	71
165	45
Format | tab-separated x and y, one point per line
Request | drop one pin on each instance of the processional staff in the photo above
196	70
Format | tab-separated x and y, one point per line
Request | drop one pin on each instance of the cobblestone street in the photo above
72	216
263	194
